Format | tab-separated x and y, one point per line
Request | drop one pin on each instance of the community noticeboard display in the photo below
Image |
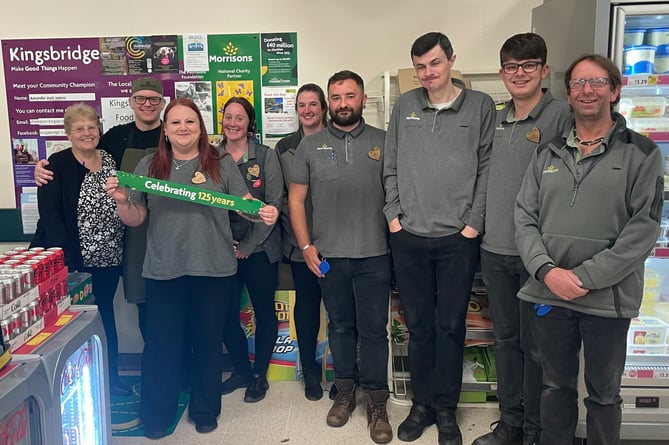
45	76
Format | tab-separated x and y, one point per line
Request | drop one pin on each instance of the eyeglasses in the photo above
83	130
153	100
528	67
595	82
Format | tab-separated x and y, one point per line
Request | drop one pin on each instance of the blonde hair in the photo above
78	112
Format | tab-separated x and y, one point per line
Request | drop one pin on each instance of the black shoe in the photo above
154	434
234	382
204	427
449	432
312	385
502	434
257	389
119	389
333	392
419	417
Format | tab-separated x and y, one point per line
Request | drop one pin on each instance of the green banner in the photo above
188	193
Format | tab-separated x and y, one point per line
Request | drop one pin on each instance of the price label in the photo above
641	81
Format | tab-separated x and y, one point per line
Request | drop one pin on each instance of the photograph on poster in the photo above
25	151
200	93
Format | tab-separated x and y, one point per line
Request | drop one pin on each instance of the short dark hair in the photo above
313	88
428	41
612	72
250	111
346	75
524	46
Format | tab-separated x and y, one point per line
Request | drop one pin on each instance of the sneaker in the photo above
312	384
447	425
256	389
343	405
235	382
419	417
377	416
502	434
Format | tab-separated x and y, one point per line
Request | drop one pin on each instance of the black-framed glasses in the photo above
153	100
595	82
529	67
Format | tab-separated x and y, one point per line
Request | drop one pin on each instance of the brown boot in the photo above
344	403
377	417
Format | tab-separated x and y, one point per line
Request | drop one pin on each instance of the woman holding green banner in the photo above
189	263
258	251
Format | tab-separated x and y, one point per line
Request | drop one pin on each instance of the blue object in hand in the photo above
542	309
324	267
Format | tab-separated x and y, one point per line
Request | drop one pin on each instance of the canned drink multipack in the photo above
6	330
15	323
18	277
35	310
24	314
60	257
8	288
28	275
39	272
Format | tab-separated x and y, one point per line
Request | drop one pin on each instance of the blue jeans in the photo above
435	277
516	355
356	293
558	335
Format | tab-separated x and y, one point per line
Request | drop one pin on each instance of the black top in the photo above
120	137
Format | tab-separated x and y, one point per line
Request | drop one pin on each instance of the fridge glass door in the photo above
81	399
21	425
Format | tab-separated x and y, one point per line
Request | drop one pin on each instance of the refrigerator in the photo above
24	403
72	357
635	35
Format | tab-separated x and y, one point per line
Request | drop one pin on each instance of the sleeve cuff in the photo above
543	271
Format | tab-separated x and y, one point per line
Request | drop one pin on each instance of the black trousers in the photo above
307	313
198	304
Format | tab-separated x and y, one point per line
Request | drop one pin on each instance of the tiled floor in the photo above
285	417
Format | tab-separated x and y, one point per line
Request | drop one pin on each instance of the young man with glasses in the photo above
128	143
435	172
587	216
531	117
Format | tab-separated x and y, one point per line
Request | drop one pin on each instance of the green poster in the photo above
279	59
234	68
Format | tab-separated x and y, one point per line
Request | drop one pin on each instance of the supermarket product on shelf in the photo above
646	331
639	59
33	291
645	125
656	36
633	36
646	106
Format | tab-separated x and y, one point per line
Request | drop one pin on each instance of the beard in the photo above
355	114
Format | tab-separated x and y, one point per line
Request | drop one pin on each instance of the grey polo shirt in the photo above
344	174
512	148
436	162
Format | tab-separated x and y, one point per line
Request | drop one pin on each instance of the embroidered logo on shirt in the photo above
550	169
533	135
374	153
412	117
324	147
198	178
253	172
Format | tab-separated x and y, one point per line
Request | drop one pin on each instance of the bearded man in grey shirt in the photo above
341	167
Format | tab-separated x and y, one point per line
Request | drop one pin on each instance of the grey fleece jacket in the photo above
436	162
598	217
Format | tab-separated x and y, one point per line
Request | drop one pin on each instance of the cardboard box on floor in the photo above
408	80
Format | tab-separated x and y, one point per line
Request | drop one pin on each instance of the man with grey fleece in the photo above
587	216
435	175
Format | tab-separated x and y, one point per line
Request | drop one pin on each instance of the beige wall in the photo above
367	36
